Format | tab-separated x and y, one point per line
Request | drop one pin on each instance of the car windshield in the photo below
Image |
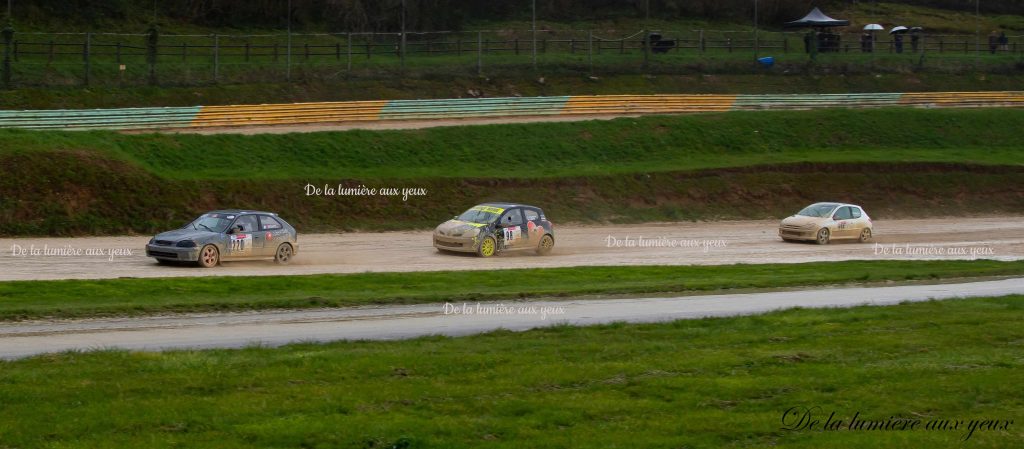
481	214
211	222
819	210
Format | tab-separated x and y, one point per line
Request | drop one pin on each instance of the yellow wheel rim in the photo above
487	248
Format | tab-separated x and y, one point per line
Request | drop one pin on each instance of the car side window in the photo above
247	222
269	223
856	212
843	213
531	215
512	217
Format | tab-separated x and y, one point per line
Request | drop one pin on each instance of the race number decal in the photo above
241	244
513	234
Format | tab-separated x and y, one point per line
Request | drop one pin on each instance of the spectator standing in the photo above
1004	42
897	40
993	41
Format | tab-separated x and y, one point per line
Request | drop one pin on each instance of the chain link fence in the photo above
34	59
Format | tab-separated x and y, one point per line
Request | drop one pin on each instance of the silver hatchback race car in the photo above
227	235
824	222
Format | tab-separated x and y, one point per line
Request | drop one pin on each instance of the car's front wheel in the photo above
284	254
823	236
865	235
546	244
209	256
488	246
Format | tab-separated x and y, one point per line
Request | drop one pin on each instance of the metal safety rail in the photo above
462	108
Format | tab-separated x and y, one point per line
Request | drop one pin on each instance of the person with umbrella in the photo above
993	41
868	38
915	38
897	37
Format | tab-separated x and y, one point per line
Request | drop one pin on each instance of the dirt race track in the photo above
999	238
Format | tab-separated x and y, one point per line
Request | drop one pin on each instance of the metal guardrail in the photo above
384	110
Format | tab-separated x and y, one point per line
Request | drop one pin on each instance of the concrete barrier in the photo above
364	111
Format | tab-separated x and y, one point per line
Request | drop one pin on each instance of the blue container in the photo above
766	61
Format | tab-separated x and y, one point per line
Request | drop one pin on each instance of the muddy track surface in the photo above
703	243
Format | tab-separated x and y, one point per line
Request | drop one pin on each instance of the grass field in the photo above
80	298
698	384
895	162
535	150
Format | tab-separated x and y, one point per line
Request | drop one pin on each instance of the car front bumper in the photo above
461	244
172	253
797	234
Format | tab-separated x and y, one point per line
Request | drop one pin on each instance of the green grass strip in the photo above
83	298
695	383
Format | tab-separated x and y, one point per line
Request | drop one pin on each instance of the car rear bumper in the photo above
461	244
172	253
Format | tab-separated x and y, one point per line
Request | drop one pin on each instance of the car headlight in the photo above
186	244
473	232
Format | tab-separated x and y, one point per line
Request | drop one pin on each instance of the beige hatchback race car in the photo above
824	222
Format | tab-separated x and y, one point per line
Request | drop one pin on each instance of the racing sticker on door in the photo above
512	234
241	244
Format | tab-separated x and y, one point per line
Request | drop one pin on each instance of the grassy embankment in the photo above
86	298
697	383
896	162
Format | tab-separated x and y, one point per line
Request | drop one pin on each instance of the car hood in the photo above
456	227
182	234
802	220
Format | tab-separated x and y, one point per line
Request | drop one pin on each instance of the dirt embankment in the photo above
65	193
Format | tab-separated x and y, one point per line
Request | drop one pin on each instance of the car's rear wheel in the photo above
865	235
823	236
209	256
488	246
284	254
546	244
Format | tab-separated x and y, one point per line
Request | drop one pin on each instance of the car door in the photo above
860	221
845	227
513	228
534	225
244	238
273	233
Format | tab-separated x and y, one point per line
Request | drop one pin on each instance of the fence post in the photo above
348	41
8	35
700	36
86	48
647	47
590	51
216	57
479	53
